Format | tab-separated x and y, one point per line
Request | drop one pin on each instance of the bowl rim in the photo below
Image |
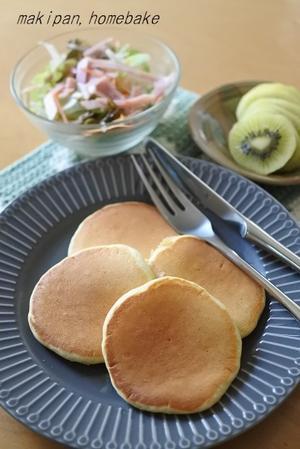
292	178
100	127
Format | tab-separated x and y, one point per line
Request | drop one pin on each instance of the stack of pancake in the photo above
166	313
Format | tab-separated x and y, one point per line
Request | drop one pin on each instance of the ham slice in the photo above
52	104
69	87
105	87
98	50
98	103
105	64
129	105
82	70
70	83
100	86
95	73
162	84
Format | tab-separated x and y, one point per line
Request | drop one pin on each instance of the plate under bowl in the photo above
210	120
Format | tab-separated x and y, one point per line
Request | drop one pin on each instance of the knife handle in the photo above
277	294
260	237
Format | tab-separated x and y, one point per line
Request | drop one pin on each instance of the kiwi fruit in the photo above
290	111
293	163
275	106
287	109
262	142
268	90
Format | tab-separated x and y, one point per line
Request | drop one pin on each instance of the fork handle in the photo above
245	266
257	235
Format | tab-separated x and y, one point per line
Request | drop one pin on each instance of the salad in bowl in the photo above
97	94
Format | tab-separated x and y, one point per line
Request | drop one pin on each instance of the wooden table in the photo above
217	41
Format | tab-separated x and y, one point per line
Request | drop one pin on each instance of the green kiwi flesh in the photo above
294	163
275	106
262	142
268	90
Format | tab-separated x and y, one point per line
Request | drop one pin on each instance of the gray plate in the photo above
77	405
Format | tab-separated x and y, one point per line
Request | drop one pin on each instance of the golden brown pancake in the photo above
132	223
69	303
170	347
197	261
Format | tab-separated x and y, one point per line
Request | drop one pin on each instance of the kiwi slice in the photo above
294	162
268	90
287	109
275	106
262	143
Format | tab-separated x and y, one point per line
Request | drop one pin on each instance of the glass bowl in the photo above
119	135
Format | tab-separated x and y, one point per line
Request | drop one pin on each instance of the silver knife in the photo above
209	200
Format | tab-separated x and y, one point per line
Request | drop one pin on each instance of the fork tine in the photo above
155	198
169	200
178	193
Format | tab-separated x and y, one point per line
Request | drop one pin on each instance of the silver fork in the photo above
185	218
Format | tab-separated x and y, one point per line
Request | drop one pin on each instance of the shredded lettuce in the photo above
39	88
139	60
45	81
56	57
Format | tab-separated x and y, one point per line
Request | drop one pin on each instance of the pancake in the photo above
197	261
69	303
132	223
170	347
